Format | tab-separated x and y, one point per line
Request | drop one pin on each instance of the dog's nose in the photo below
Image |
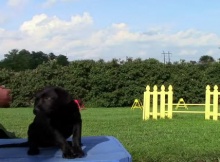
36	110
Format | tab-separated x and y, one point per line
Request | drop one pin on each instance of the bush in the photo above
111	84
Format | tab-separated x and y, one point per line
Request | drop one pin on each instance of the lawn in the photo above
185	138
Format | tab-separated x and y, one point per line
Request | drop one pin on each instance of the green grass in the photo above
185	138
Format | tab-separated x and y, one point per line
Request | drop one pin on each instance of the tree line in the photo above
22	60
114	83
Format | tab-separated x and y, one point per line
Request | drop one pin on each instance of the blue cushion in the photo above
96	148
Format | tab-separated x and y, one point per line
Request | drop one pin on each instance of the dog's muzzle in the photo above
36	110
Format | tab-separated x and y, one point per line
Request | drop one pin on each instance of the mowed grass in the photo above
185	138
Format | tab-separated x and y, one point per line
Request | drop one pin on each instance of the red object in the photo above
5	97
80	104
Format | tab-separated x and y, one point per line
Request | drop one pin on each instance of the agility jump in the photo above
159	103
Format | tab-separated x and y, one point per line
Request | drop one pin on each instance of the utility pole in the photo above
166	56
169	56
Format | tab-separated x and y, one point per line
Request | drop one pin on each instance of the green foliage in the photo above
16	60
206	59
114	83
22	60
62	60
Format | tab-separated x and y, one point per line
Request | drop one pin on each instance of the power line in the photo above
169	54
166	56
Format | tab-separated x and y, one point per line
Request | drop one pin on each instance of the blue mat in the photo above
97	149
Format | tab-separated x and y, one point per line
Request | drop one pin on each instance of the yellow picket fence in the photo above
156	106
158	103
211	103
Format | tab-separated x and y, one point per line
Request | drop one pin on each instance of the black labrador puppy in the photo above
57	117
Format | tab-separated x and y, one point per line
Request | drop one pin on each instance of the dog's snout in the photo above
37	106
36	110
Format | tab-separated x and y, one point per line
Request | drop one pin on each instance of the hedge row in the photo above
112	84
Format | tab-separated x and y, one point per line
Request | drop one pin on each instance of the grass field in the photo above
185	138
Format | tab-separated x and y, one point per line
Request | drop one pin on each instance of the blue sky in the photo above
106	29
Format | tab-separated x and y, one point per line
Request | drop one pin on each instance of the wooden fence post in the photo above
156	110
170	102
162	102
207	103
215	103
155	102
146	104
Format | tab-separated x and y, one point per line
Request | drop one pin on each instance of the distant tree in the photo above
192	62
38	58
62	60
206	59
16	60
152	61
7	61
22	60
51	56
11	54
182	61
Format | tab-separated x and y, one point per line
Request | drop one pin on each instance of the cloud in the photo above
50	3
79	38
185	52
42	26
17	3
3	18
192	37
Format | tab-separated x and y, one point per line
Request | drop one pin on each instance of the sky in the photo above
112	29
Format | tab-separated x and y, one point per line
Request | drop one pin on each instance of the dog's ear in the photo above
64	96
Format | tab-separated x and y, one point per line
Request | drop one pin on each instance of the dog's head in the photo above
50	99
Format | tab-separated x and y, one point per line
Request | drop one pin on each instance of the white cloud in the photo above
42	26
17	3
78	38
50	3
3	18
188	52
194	38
